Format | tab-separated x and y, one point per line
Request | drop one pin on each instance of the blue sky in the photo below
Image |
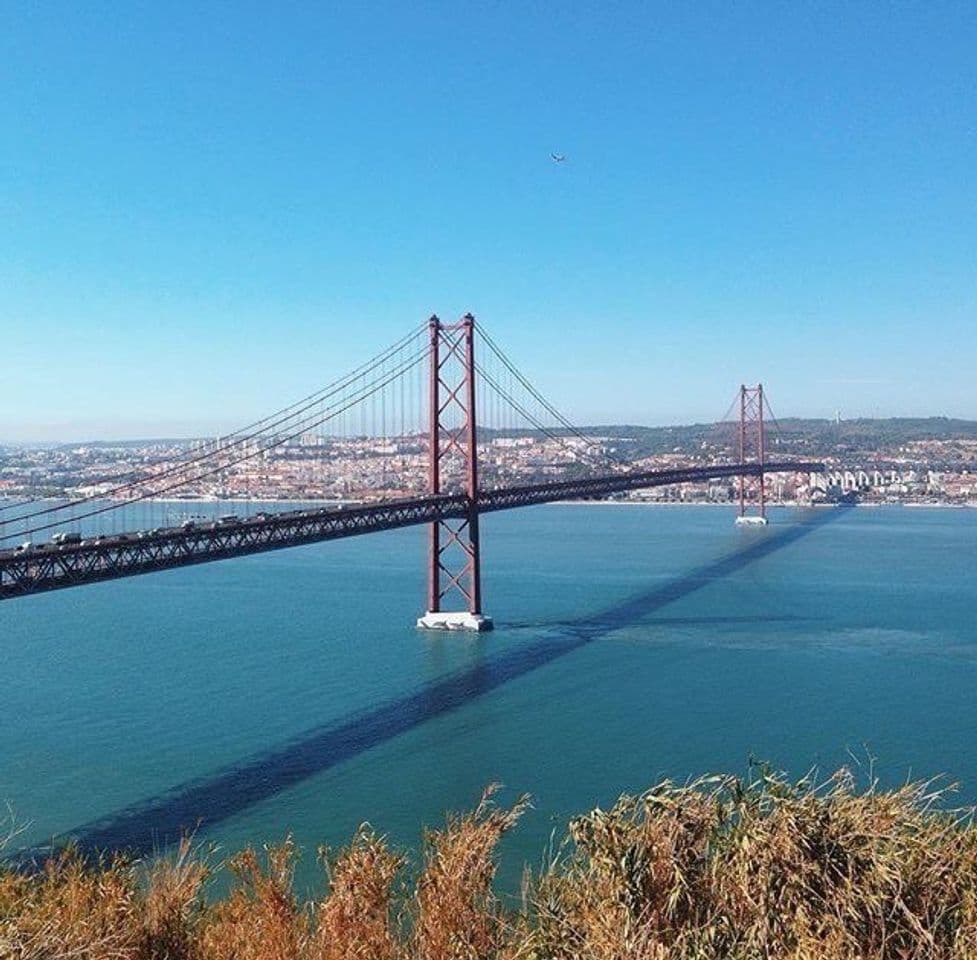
209	209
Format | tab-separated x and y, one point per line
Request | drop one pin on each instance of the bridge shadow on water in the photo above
157	821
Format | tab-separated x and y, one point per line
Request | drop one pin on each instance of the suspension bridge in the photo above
426	432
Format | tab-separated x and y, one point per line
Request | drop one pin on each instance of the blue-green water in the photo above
290	692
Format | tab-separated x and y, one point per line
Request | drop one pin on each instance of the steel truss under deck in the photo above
52	567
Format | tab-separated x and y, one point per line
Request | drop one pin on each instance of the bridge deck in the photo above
52	566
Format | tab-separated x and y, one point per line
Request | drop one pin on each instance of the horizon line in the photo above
586	428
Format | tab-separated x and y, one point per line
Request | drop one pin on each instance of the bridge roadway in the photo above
53	566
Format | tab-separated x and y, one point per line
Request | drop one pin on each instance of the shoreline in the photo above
8	502
785	505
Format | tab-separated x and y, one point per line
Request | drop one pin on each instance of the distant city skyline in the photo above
125	432
205	217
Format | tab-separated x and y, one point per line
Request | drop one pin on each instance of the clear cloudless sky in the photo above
208	209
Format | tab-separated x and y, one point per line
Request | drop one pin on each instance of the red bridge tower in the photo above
752	440
454	564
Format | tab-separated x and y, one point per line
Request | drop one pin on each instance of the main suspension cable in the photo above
538	424
221	445
367	391
553	411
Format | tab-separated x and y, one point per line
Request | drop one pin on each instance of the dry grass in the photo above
457	914
356	919
725	869
718	869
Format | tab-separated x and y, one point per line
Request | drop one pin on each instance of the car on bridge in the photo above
65	538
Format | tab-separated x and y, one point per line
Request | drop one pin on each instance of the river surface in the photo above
291	692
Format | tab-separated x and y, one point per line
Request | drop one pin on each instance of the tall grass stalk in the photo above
721	868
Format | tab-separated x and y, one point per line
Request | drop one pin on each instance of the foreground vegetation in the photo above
719	868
